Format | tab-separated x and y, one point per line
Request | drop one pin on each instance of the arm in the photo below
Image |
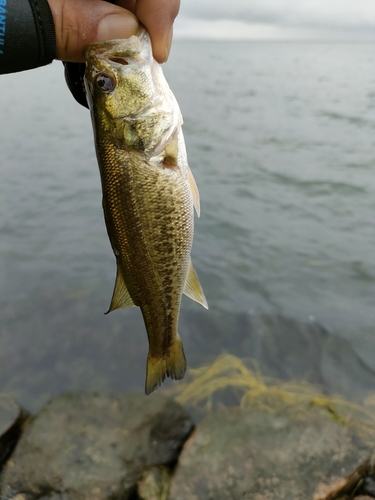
34	32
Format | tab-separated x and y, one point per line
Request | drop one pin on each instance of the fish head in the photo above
118	75
127	90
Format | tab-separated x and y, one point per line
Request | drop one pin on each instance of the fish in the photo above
149	193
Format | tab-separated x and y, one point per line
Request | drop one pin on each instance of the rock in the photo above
360	485
12	417
242	454
154	484
94	446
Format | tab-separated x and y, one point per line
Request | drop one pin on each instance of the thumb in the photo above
79	22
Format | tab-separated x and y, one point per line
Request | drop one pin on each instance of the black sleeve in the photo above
27	35
74	73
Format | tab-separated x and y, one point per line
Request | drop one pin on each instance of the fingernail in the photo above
168	43
117	26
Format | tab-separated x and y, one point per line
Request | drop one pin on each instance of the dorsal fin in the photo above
194	191
193	288
121	297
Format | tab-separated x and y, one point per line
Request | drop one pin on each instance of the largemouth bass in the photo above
149	193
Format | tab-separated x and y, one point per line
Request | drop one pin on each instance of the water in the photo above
280	138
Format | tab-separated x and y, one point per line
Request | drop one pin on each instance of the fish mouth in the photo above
120	51
115	55
112	57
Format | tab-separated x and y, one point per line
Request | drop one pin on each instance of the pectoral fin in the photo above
194	191
171	151
193	288
171	160
121	297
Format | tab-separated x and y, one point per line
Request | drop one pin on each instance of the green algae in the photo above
271	395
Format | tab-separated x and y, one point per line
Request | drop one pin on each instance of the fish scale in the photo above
149	193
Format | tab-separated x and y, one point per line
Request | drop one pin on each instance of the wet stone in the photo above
237	453
12	418
94	446
154	484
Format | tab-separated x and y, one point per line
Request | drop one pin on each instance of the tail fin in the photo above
172	365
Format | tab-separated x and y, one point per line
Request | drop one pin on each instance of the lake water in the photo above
281	140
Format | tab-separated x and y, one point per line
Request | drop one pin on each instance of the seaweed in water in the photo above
270	395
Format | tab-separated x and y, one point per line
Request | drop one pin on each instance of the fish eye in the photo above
105	82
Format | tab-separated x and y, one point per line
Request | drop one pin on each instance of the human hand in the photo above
79	22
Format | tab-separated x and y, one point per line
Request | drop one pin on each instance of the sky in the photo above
277	19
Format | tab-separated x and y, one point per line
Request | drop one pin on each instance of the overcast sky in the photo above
277	19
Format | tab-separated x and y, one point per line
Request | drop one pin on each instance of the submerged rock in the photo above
360	485
12	418
283	348
258	456
154	484
94	446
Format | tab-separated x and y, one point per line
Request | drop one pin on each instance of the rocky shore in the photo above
97	446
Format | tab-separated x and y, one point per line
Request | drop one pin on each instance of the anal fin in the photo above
193	288
121	297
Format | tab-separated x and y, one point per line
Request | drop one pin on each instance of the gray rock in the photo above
239	454
94	446
12	418
154	484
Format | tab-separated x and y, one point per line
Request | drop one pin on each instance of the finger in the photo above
127	4
158	17
79	22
